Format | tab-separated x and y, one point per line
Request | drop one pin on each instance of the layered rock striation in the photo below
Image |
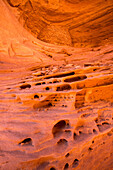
56	102
75	23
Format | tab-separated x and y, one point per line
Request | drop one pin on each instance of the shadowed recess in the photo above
60	75
76	78
59	126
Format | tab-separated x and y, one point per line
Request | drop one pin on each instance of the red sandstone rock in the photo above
56	102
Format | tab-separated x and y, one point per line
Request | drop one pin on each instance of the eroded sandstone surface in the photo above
71	22
56	102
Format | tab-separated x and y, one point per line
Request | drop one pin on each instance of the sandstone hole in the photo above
68	131
94	130
87	65
62	141
105	123
90	149
36	96
52	168
80	132
77	78
60	75
64	105
47	88
37	84
24	86
63	87
56	81
67	155
22	82
74	135
59	126
75	163
50	104
98	125
96	120
43	104
66	166
26	141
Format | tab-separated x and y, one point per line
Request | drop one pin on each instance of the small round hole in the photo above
47	88
36	96
94	130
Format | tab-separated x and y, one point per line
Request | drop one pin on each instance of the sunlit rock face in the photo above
76	23
56	102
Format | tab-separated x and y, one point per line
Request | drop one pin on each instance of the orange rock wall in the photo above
70	22
56	102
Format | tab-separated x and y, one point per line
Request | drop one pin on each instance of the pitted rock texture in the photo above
56	102
75	23
59	128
